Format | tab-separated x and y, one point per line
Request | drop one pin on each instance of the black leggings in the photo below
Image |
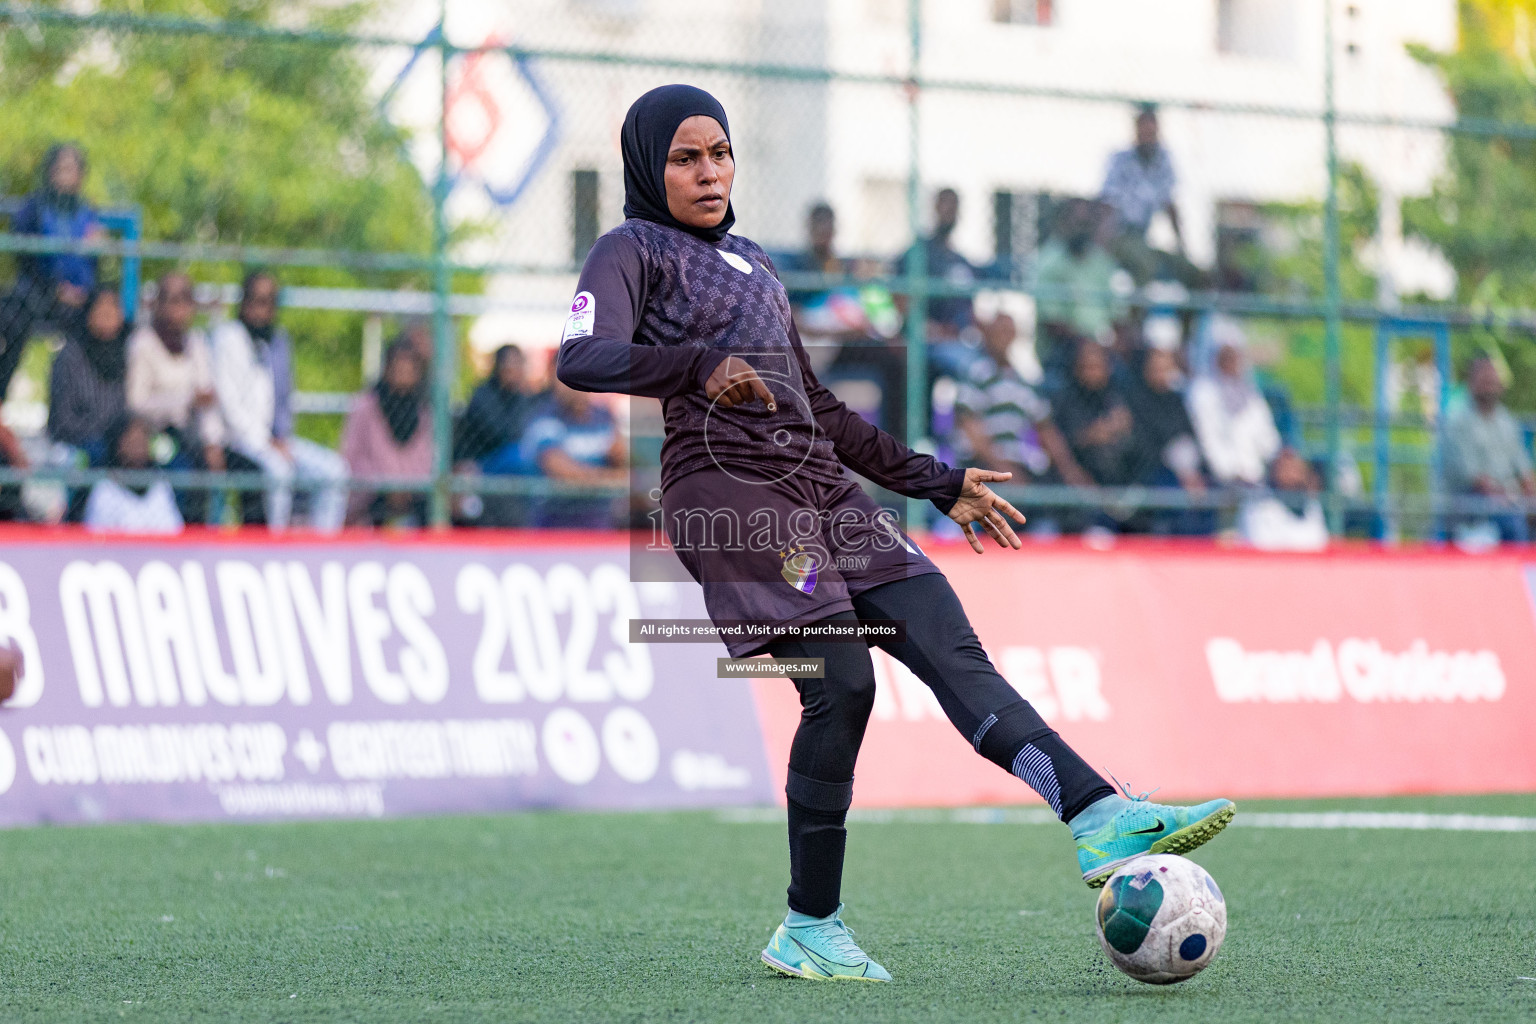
942	650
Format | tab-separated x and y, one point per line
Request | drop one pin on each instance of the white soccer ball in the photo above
1161	919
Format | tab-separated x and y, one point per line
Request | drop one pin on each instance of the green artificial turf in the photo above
629	917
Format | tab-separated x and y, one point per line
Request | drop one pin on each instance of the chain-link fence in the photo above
276	261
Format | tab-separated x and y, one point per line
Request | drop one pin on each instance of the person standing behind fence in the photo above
949	316
389	434
1138	185
253	376
49	286
170	384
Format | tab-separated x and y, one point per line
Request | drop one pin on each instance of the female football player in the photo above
760	507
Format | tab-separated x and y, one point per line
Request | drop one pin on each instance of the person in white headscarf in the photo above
1232	420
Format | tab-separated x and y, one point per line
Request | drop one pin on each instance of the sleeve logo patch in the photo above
583	313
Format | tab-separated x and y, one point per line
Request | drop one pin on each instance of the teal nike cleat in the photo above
822	949
1140	828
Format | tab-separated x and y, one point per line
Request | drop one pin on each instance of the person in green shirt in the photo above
1485	451
1074	277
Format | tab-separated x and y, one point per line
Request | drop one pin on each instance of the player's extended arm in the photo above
598	352
871	452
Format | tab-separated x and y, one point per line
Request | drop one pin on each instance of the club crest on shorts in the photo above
799	569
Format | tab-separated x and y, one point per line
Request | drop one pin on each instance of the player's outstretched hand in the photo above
734	383
978	504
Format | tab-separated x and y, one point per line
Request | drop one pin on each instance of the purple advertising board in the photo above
236	679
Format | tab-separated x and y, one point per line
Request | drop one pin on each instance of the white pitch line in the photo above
1388	819
1324	820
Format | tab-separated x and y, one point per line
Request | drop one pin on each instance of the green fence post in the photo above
917	261
1333	325
443	362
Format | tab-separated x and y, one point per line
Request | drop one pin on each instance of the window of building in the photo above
1256	28
1023	12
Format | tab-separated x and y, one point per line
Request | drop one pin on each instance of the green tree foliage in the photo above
1481	213
229	140
1292	261
1286	261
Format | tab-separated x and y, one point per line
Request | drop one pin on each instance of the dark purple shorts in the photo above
777	550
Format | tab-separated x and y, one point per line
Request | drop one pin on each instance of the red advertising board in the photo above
1206	671
243	676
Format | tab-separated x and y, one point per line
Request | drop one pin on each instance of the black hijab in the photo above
496	414
647	137
107	356
1160	415
64	202
402	411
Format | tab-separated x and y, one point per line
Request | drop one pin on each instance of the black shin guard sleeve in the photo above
818	840
1017	739
833	713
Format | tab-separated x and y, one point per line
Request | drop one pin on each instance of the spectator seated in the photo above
1486	458
170	385
1095	417
1003	423
253	376
1232	421
488	437
1288	516
12	456
1075	282
1167	454
87	383
388	434
572	438
118	506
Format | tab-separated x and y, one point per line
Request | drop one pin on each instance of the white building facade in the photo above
1025	97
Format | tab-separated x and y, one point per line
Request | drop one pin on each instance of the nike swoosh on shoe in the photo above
818	958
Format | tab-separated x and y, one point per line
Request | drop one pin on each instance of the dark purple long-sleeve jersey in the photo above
657	310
